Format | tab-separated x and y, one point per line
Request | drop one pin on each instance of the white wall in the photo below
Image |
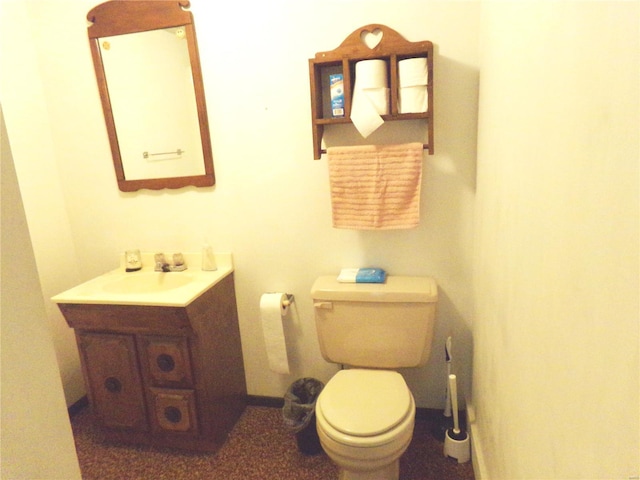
555	382
34	148
36	434
270	206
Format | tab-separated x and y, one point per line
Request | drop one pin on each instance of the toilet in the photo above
365	413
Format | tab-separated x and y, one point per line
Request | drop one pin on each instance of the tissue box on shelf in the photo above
336	89
362	275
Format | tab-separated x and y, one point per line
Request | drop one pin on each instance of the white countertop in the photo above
147	287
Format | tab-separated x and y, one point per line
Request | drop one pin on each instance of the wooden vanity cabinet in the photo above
112	375
165	376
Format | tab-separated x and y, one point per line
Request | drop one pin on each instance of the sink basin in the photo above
148	287
147	282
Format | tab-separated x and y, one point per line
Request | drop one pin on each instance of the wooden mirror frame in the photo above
118	17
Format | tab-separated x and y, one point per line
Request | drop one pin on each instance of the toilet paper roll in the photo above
413	76
272	311
413	99
371	74
364	114
413	71
370	96
379	99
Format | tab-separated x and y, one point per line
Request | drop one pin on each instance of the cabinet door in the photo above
113	379
174	410
166	361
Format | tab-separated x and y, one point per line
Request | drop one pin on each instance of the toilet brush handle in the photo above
454	402
447	405
448	358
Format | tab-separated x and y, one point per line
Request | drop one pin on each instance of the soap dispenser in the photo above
208	258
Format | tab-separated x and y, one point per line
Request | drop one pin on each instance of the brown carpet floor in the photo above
259	447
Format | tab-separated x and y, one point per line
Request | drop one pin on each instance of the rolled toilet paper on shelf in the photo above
413	71
413	99
372	74
272	311
364	115
413	77
370	96
379	99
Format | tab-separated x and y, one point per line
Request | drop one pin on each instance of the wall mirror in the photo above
147	66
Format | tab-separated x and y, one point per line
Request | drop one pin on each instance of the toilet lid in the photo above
364	403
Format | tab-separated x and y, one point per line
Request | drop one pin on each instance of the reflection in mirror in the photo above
158	135
146	60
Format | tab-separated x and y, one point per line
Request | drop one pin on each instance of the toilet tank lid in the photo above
395	289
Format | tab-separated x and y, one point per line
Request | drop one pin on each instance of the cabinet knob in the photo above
165	362
113	385
173	414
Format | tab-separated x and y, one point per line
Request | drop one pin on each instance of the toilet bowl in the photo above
365	414
365	422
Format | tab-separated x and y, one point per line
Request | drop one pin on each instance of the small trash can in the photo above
299	413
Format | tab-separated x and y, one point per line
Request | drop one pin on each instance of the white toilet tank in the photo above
375	325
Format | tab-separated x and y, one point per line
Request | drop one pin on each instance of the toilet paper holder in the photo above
288	301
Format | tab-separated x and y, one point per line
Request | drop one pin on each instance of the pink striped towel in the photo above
375	187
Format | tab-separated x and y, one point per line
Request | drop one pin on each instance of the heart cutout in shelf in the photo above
371	38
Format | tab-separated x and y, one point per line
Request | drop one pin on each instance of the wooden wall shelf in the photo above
392	47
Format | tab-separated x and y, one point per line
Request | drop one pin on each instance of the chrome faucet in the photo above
162	265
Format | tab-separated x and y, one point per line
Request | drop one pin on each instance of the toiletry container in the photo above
365	413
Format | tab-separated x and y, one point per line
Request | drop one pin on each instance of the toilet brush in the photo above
443	423
447	355
456	440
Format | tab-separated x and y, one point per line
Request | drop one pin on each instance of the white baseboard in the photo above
477	453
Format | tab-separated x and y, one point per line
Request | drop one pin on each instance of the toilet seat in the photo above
365	403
